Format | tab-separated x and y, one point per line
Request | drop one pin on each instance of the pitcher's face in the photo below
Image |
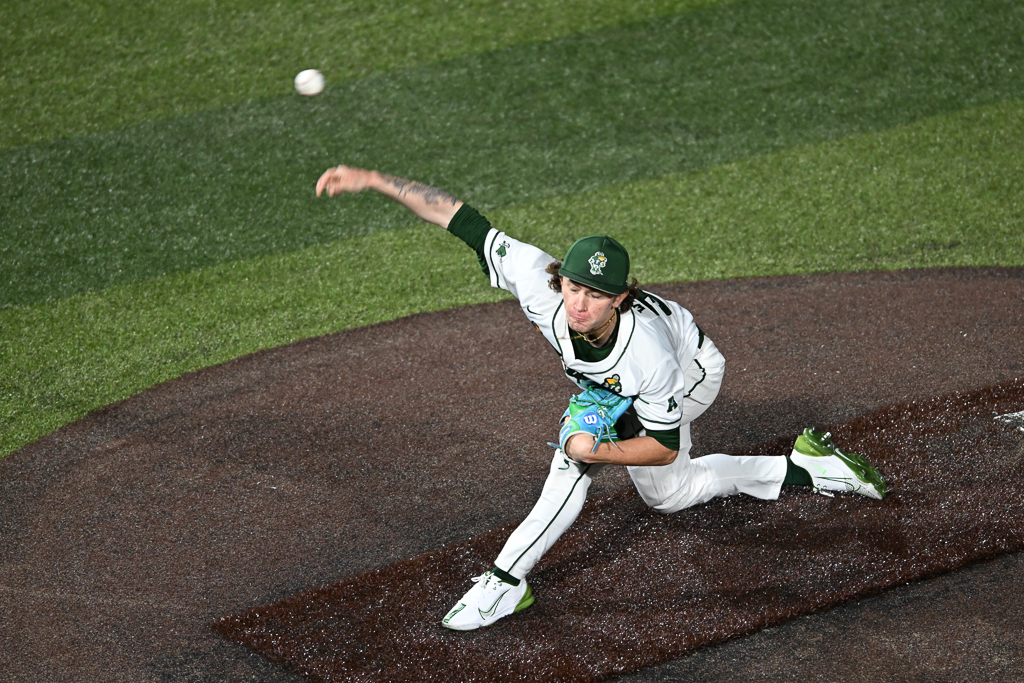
586	309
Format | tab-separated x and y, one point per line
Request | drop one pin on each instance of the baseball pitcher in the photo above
646	371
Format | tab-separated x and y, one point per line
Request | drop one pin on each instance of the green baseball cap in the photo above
599	262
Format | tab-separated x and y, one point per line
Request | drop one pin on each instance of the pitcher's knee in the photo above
673	506
669	504
657	504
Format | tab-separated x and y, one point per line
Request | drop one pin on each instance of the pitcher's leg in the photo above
662	485
686	482
719	475
561	500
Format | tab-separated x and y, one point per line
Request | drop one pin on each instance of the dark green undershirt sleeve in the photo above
669	438
469	226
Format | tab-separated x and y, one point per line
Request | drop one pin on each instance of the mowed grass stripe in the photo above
941	192
76	67
510	127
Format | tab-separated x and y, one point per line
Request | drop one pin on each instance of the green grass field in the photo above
157	212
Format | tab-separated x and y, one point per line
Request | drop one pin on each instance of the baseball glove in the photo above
593	412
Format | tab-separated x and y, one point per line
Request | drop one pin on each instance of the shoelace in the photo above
486	578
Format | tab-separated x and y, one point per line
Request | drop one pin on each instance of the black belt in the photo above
700	337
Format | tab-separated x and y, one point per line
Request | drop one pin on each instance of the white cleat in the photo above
486	602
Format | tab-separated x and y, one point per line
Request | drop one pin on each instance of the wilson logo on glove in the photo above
593	412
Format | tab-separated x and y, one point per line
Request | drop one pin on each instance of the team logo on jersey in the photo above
613	384
672	405
597	263
502	250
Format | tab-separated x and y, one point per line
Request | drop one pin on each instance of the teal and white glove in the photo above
593	412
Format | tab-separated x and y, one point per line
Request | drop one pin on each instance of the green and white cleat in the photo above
486	602
834	470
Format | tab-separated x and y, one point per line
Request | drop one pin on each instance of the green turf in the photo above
85	66
947	191
533	121
941	192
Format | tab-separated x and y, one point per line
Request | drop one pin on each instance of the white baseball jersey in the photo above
656	340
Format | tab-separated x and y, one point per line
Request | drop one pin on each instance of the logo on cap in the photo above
597	263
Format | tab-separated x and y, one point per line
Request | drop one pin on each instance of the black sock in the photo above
505	576
796	475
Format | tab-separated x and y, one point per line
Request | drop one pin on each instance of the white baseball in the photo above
309	82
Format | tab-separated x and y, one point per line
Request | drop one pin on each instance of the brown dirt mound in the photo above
626	588
124	535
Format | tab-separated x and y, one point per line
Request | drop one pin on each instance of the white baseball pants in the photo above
665	488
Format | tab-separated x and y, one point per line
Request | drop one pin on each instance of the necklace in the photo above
595	335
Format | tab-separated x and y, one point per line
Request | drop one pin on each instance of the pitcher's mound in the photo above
125	535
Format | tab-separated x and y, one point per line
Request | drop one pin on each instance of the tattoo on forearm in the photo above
431	195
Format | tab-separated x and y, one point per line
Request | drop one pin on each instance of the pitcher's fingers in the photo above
331	180
322	182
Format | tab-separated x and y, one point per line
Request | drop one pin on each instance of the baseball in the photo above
309	82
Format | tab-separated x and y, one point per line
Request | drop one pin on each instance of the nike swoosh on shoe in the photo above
493	608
